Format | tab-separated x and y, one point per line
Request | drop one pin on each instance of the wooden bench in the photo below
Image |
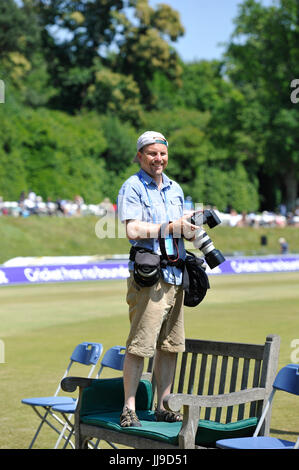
220	387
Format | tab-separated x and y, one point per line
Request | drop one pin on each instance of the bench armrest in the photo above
192	404
69	384
175	401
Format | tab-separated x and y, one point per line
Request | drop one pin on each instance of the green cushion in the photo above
102	404
107	395
150	428
207	434
210	431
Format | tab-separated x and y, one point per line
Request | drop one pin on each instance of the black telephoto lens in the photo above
214	258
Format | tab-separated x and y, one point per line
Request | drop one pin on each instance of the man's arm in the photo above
137	230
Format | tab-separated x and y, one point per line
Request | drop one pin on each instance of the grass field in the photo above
61	236
41	324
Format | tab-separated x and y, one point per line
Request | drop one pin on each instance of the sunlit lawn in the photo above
41	324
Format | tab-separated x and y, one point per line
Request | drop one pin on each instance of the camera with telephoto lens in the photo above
202	241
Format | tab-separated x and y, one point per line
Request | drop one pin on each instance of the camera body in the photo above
207	216
202	241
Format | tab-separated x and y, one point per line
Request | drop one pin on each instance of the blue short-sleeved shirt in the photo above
140	199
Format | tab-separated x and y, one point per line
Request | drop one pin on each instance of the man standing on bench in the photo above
151	206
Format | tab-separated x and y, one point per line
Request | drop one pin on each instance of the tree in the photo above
19	30
114	93
55	154
144	48
19	39
100	58
121	139
263	58
206	172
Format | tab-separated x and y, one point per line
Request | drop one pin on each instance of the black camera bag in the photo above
147	269
195	280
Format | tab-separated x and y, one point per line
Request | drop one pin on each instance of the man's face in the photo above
153	159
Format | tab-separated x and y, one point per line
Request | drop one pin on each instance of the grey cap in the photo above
147	138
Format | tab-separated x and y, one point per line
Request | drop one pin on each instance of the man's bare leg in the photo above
164	373
133	367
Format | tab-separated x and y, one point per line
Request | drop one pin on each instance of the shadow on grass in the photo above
279	431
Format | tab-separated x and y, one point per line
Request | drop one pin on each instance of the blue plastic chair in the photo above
113	359
86	353
286	380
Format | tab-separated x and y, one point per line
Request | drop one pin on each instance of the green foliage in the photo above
84	62
18	28
164	92
19	41
203	86
206	171
270	33
118	155
114	93
217	188
121	140
242	193
84	79
36	87
52	153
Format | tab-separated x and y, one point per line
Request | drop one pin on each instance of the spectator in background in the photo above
234	218
30	202
284	247
107	206
79	201
21	203
22	197
243	221
60	207
51	207
282	209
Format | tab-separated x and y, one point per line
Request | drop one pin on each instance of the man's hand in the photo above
183	227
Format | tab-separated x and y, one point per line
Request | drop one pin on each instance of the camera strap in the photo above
163	237
169	244
169	260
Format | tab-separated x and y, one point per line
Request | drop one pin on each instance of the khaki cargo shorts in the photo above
157	318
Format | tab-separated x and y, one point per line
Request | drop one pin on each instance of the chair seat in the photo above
65	408
259	442
207	434
48	401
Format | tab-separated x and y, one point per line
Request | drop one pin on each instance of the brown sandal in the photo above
129	418
168	416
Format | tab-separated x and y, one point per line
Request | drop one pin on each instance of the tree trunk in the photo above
291	187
